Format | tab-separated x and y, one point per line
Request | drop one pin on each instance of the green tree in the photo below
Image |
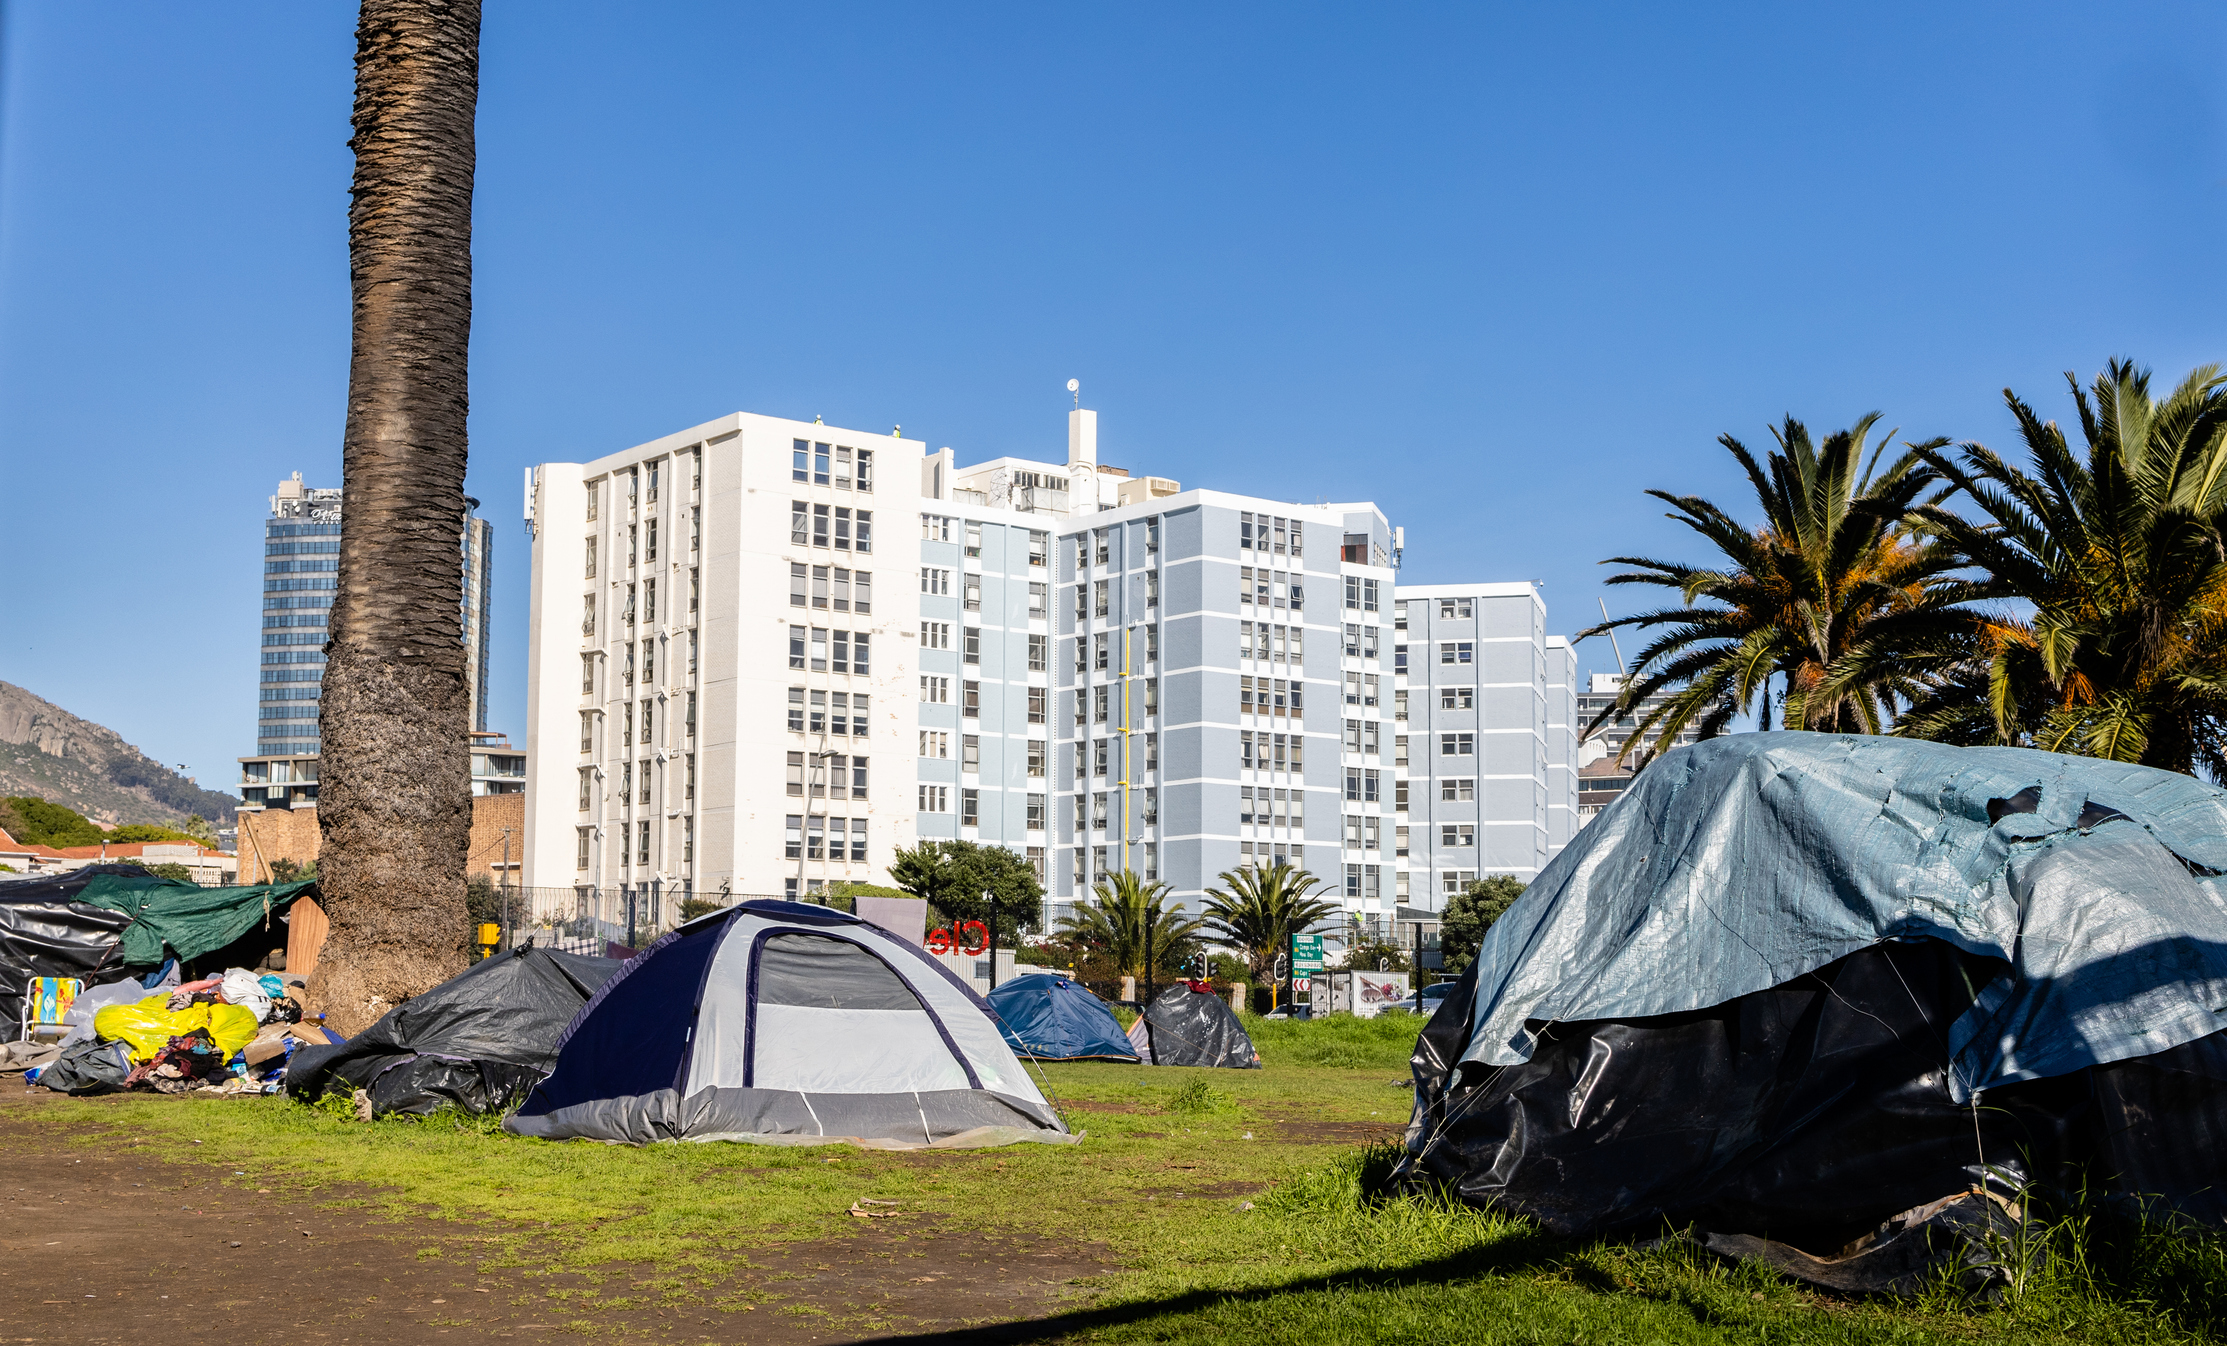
289	871
953	876
1835	602
1129	922
1258	909
395	801
1470	913
693	907
170	870
131	832
2119	554
36	822
844	893
1374	953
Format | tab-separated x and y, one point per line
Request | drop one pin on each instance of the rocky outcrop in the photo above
48	752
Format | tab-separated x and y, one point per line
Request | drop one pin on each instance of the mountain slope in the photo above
46	751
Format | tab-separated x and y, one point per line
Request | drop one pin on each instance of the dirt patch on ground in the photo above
1307	1131
115	1245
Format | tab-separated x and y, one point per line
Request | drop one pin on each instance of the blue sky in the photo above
1498	268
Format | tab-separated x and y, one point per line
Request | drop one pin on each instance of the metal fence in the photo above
599	920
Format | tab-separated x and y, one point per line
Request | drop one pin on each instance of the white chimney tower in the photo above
1082	461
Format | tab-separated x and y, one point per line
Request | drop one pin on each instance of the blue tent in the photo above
1054	1019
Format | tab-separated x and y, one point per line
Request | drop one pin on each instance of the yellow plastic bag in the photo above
148	1025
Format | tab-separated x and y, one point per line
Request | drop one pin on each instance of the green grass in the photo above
1273	1238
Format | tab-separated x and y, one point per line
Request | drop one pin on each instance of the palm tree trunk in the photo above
395	799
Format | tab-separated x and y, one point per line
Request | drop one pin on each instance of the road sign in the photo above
1306	953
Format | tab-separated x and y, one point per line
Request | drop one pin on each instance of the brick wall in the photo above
276	834
292	834
490	815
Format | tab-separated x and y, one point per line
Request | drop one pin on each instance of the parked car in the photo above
1425	1001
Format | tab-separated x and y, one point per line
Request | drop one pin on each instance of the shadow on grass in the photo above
1514	1254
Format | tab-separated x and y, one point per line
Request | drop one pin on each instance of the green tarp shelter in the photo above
190	919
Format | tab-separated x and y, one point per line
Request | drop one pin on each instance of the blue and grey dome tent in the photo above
1054	1019
782	1023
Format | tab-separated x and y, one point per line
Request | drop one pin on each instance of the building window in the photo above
1039	599
970	752
587	787
796	647
972	646
1101	544
1039	654
1456	881
581	834
935	743
642	843
798	584
1449	608
971	700
935	528
591	558
695	530
691	777
1101	600
1036	805
970	807
974	538
796	774
1152	588
595	488
695	590
1036	750
645	797
649	552
1457	789
1039	547
587	731
858	777
935	799
1399	704
587	615
1082	602
1457	698
1038	698
1151	752
1457	745
935	690
1457	652
691	721
1098	652
935	635
1098	704
935	580
587	675
1152	696
1457	834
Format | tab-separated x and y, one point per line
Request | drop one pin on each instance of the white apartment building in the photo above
767	654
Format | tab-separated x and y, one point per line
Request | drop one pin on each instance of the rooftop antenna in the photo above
1075	386
1621	671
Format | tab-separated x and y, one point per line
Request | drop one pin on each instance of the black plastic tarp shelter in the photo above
1798	985
1191	1028
45	931
477	1041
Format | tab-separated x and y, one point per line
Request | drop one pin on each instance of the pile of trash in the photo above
232	1034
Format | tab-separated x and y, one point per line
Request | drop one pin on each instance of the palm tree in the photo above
1130	922
395	799
2121	551
1835	598
1262	909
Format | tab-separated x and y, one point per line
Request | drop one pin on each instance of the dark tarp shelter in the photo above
97	923
1054	1019
1192	1028
782	1023
47	931
477	1041
1807	986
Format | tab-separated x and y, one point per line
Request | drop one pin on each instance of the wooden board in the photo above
305	936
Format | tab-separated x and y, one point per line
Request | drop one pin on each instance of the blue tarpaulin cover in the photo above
1054	1019
1737	864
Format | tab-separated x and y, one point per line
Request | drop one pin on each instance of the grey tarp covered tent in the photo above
1800	983
784	1023
477	1041
1191	1027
